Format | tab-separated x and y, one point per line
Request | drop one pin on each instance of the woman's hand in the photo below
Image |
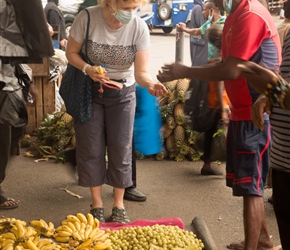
95	74
157	89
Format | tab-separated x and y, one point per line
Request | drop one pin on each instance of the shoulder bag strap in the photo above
87	38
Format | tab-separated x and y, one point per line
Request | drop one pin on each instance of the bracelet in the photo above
276	91
84	69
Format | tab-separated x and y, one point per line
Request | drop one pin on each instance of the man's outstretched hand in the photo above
171	72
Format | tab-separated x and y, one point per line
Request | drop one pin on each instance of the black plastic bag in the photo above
12	108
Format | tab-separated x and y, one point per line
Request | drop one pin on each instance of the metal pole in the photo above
179	46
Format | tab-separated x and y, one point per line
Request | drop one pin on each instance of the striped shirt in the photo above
280	119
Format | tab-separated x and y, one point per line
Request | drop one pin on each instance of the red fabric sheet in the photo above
142	223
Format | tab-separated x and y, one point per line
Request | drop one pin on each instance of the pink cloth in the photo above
142	223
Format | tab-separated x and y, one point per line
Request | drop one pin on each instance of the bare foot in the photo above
236	245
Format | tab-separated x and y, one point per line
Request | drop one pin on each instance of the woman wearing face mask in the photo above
118	41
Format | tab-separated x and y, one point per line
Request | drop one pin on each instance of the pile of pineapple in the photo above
179	139
54	136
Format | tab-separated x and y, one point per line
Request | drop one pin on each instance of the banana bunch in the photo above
82	232
7	223
43	228
18	235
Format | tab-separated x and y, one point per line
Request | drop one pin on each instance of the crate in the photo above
45	100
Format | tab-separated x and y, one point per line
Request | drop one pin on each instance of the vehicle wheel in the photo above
167	29
164	11
67	28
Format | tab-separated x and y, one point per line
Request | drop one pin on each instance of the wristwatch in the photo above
84	69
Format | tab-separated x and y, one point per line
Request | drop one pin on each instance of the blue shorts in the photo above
248	158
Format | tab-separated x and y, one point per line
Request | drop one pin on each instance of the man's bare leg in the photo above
255	227
257	236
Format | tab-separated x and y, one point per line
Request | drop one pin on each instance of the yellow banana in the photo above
49	230
37	224
96	223
29	231
77	226
76	235
18	248
23	223
52	246
90	219
36	239
9	246
100	70
104	237
20	230
9	235
62	239
96	234
72	242
7	242
72	218
86	243
67	229
103	245
64	234
88	230
43	243
70	225
45	225
31	245
82	217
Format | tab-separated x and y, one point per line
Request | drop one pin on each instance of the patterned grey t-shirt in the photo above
113	49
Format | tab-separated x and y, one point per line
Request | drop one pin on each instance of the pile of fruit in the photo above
83	232
54	136
179	139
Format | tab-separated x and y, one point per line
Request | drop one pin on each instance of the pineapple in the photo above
170	122
172	96
170	86
179	114
161	155
170	145
182	85
166	131
66	118
179	135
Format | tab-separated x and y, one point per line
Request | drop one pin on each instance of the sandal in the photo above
98	213
9	204
119	215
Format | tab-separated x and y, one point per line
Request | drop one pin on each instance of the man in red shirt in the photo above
249	34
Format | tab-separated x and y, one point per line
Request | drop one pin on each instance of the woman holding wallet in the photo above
119	42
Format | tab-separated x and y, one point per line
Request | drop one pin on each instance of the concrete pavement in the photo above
174	189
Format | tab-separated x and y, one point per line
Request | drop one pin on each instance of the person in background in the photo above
249	34
213	16
55	18
197	44
15	55
119	41
217	96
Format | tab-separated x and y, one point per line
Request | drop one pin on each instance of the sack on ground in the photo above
197	113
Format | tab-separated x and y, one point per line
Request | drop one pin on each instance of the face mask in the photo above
228	6
209	17
125	17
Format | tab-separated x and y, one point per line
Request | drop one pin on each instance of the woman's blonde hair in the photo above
112	4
